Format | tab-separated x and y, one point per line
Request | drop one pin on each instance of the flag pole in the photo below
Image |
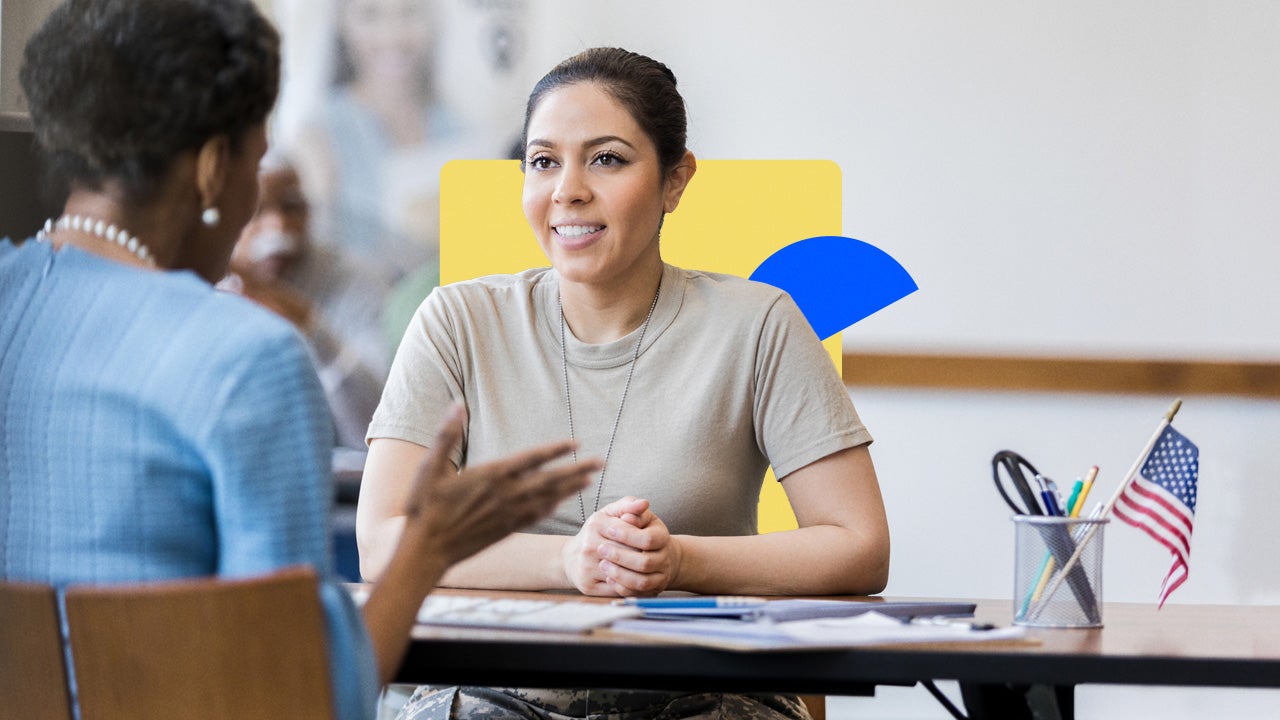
1106	511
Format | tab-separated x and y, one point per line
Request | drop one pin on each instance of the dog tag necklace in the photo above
568	402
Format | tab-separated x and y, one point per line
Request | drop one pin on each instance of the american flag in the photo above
1161	501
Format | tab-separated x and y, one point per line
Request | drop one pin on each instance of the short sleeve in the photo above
802	410
426	378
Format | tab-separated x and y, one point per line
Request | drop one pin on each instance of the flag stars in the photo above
1162	501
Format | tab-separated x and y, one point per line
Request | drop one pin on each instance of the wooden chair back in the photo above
33	673
205	648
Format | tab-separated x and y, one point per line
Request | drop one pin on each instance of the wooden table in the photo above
1191	645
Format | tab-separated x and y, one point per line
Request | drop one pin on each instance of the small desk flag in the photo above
1160	500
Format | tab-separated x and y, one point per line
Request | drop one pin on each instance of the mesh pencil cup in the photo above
1042	595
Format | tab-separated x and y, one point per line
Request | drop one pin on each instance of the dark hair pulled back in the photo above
642	85
117	89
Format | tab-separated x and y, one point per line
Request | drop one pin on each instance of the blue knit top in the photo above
152	428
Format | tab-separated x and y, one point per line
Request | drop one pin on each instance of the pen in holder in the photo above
1044	544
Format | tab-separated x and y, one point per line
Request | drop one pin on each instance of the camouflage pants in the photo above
457	703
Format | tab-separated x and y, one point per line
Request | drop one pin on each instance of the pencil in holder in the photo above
1043	596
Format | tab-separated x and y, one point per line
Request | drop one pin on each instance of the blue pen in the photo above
1057	496
1050	502
723	601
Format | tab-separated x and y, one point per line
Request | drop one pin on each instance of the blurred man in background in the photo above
335	299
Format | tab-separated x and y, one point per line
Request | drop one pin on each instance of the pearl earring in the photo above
210	217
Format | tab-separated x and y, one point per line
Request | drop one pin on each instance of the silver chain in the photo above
568	403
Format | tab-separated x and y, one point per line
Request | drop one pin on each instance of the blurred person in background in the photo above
370	151
370	156
335	298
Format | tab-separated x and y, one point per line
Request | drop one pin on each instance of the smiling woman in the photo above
688	384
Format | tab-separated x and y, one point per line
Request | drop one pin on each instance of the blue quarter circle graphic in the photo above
836	280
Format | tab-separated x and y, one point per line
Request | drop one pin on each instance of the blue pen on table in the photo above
719	601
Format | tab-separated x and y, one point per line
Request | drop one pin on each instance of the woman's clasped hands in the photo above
623	549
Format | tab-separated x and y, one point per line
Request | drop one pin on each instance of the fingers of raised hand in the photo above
434	468
549	487
449	434
532	459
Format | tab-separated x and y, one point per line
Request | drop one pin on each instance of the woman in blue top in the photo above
151	427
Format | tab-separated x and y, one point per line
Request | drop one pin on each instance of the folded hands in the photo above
623	549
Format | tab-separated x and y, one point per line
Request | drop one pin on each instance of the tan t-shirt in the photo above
730	379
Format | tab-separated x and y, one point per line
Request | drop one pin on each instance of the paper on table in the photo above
870	628
874	628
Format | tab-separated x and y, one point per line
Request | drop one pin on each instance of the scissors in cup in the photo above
1014	466
1057	539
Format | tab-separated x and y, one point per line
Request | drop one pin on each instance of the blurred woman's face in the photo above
389	40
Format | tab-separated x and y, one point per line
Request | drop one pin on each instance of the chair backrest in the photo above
205	648
734	215
33	673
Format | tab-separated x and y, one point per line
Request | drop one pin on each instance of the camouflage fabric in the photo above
457	703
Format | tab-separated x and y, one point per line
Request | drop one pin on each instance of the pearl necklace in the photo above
101	230
564	365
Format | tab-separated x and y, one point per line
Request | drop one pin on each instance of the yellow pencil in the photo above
1044	579
1084	491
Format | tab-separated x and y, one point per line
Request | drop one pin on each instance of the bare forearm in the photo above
817	560
389	613
377	546
521	561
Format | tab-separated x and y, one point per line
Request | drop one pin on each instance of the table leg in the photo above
1019	702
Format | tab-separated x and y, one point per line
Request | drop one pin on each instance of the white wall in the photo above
1084	178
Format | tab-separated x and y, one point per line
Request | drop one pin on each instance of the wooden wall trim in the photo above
976	372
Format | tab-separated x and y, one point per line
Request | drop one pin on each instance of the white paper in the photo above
870	628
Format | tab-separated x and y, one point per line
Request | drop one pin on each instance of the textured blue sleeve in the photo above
269	441
351	663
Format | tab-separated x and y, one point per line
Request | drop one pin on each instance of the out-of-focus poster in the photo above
376	96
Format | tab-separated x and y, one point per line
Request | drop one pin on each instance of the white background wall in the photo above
1096	178
1079	178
